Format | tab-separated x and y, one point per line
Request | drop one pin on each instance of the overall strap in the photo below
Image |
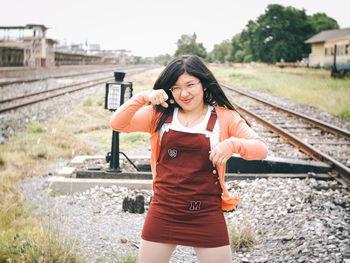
212	120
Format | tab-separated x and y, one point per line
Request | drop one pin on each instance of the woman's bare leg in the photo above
215	254
154	252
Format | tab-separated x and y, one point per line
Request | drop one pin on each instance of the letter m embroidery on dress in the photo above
195	205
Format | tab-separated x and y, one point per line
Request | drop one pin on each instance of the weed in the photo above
40	151
35	127
87	102
129	258
2	161
55	192
241	235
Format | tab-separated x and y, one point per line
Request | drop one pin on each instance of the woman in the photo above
194	130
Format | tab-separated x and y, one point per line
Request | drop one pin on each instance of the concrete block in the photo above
71	185
79	160
66	171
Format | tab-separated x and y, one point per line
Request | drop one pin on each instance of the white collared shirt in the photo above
199	128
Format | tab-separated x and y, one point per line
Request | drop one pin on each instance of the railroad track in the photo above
313	138
21	101
58	76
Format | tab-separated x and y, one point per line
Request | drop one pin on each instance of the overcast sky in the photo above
150	28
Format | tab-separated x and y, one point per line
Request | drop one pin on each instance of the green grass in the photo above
36	127
129	140
127	259
304	85
113	258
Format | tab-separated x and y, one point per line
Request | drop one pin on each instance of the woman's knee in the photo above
155	252
215	254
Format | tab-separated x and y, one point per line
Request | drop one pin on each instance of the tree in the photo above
163	59
221	52
279	34
187	45
246	45
137	60
320	22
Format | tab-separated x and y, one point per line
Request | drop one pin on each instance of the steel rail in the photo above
321	124
50	90
52	96
69	91
303	146
5	83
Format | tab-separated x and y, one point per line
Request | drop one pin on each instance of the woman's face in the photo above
188	92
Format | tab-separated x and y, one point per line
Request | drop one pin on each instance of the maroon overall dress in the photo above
186	205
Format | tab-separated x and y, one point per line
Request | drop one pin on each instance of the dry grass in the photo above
241	235
23	236
146	80
305	85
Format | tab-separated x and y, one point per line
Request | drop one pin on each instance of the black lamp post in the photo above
116	94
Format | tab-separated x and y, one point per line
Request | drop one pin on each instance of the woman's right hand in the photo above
158	97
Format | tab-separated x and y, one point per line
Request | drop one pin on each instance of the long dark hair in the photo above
193	65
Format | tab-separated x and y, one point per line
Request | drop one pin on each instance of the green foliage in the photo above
239	49
163	59
320	22
137	60
187	44
278	34
141	60
221	52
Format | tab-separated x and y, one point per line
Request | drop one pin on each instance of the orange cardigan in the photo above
235	136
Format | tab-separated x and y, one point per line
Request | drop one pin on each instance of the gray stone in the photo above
310	234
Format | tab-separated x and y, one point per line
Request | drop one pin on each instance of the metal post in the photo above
335	58
114	162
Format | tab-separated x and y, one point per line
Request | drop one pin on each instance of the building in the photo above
27	46
19	49
330	46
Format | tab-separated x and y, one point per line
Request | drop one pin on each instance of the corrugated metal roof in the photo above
328	35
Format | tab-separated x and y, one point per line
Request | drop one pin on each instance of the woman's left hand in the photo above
217	156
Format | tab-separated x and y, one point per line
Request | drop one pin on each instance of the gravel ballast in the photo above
293	220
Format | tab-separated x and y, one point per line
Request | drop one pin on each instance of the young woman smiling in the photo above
194	130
